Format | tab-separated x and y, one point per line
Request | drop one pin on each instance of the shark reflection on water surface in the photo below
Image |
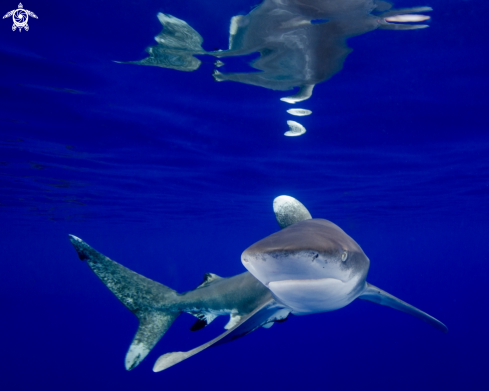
301	43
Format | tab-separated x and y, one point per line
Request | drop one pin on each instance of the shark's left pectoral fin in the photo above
377	295
265	313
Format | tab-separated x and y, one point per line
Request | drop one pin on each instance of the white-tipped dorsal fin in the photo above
289	211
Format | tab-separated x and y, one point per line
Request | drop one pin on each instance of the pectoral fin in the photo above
267	312
377	295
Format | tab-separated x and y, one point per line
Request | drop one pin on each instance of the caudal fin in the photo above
152	303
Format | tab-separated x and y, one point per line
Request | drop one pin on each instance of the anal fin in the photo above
234	319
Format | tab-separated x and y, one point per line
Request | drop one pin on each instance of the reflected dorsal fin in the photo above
208	278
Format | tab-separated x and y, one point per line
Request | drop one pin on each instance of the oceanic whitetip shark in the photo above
310	266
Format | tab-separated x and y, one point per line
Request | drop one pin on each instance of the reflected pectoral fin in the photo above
377	295
394	19
263	314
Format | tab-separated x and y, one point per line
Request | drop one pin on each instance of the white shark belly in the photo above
311	296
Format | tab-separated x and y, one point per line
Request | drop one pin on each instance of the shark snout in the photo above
305	281
283	265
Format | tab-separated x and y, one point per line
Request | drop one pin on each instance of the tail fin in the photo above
152	303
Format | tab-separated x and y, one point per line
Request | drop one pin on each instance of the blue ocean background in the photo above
173	175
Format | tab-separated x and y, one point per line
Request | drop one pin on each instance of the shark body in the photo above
310	266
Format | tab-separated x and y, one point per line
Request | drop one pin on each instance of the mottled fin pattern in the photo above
150	301
177	44
289	211
152	326
377	295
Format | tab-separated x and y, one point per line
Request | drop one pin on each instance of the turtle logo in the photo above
20	17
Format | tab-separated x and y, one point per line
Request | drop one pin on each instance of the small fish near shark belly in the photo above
207	316
311	296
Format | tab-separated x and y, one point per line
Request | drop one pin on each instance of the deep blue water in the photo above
173	175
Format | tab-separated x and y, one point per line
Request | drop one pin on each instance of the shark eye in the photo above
344	256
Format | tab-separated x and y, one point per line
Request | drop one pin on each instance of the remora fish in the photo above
310	266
